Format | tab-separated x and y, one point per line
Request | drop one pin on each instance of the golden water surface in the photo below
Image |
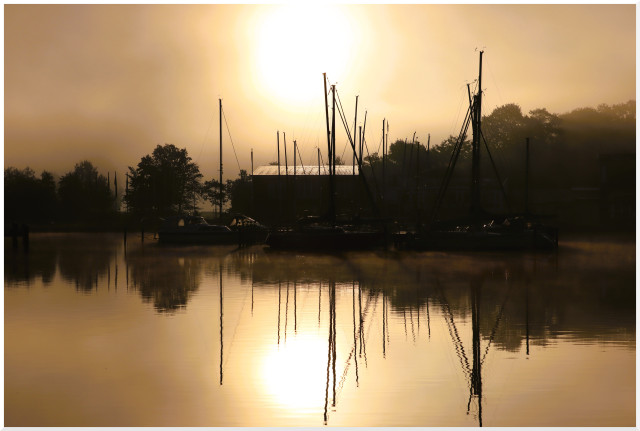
99	332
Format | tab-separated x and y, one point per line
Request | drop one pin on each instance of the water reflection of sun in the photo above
295	44
294	373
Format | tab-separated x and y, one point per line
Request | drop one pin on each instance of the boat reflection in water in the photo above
190	229
228	336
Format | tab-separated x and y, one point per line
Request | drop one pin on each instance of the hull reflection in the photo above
220	336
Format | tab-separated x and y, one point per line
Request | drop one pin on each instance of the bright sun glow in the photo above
296	44
294	373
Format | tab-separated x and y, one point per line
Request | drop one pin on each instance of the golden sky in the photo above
108	83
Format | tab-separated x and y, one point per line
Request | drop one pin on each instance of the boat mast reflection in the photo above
331	355
355	342
476	370
221	337
279	302
398	293
473	372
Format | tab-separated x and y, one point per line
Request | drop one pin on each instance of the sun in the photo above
295	44
294	374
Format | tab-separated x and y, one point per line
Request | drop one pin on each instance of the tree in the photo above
440	155
588	133
239	192
505	125
165	182
372	159
83	192
28	198
212	192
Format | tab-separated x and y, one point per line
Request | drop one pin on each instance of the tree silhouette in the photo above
165	182
239	192
83	192
211	192
27	198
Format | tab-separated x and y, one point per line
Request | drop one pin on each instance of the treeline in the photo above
564	149
564	152
79	195
163	183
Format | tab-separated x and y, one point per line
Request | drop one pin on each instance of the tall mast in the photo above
417	183
330	133
475	150
364	128
333	127
295	148
286	163
526	179
332	167
360	143
279	183
383	160
326	111
252	196
221	187
355	121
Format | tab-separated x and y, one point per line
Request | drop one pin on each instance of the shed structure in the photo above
281	196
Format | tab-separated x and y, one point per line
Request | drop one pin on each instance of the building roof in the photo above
304	170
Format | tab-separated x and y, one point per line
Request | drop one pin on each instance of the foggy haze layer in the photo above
107	83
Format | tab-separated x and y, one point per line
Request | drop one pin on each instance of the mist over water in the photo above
99	333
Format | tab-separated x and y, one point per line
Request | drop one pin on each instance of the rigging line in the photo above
300	157
455	338
359	159
311	118
346	126
344	150
446	309
498	319
348	361
452	161
458	111
495	83
373	172
235	330
322	160
367	331
231	139
495	169
205	136
317	127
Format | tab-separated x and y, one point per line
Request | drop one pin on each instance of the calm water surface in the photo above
102	334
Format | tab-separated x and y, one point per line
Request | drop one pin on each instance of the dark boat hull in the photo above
526	239
212	238
324	240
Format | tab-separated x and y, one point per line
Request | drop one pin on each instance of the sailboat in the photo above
479	230
193	229
326	234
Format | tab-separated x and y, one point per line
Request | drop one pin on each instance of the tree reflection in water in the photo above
485	303
492	294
